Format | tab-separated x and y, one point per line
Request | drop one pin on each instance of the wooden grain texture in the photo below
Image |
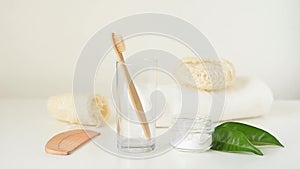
119	47
66	142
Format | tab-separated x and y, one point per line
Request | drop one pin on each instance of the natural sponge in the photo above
82	109
205	74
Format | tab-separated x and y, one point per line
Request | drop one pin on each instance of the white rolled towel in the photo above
246	98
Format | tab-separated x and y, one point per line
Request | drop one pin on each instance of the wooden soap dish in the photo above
66	142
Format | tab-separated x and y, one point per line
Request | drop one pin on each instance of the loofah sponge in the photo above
205	74
79	109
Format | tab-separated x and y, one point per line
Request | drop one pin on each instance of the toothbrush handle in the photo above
136	102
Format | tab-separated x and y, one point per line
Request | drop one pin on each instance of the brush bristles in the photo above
118	41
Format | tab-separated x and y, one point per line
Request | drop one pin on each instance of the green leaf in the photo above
229	140
255	135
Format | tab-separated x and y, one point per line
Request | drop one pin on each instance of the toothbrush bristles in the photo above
118	40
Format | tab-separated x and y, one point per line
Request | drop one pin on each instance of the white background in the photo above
40	40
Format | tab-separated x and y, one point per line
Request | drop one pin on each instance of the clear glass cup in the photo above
198	136
131	134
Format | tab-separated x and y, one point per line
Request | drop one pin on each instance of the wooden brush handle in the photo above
136	102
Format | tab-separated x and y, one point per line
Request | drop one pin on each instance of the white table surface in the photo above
26	126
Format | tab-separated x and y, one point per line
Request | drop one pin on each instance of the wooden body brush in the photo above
119	47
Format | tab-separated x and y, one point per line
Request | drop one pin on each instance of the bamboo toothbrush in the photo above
119	47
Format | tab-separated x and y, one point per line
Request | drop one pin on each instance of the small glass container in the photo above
197	133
